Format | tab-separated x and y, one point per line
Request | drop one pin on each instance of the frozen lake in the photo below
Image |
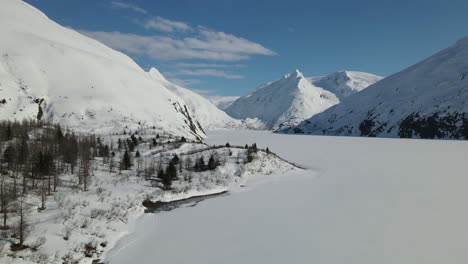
363	201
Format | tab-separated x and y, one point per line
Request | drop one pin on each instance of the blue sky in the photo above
228	47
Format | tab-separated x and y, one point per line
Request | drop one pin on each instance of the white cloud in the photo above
166	25
203	92
208	72
207	65
220	41
184	82
205	45
132	7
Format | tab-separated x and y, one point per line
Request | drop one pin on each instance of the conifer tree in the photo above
211	163
126	161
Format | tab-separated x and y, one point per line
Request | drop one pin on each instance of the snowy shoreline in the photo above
123	241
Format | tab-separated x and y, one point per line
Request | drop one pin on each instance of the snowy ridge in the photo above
51	72
222	102
284	102
345	83
209	116
427	100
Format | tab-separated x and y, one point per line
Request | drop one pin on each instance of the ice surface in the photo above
372	201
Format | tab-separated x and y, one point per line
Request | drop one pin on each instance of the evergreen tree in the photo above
250	156
126	161
137	154
171	171
23	152
59	133
130	145
8	132
254	147
70	152
176	159
228	145
212	163
134	140
44	163
155	143
9	156
200	164
160	174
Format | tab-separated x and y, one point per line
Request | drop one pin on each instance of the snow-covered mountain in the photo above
49	71
209	116
222	102
345	83
285	102
427	100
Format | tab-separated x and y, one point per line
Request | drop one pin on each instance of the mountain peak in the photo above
285	102
295	74
156	74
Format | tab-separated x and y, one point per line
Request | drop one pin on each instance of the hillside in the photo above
205	112
51	72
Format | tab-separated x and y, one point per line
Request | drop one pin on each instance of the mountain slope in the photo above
209	116
427	100
223	102
285	102
48	71
345	83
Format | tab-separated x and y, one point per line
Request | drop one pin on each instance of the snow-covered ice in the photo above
363	201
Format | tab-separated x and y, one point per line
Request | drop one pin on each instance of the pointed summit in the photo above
295	74
284	102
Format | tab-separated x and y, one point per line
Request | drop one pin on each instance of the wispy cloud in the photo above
208	72
207	65
166	25
203	92
185	82
205	45
132	7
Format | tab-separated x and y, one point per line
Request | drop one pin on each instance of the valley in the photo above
161	132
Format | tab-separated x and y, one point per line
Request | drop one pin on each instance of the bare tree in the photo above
85	163
23	226
4	200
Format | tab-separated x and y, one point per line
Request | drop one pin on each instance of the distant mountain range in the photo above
51	72
427	100
294	98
